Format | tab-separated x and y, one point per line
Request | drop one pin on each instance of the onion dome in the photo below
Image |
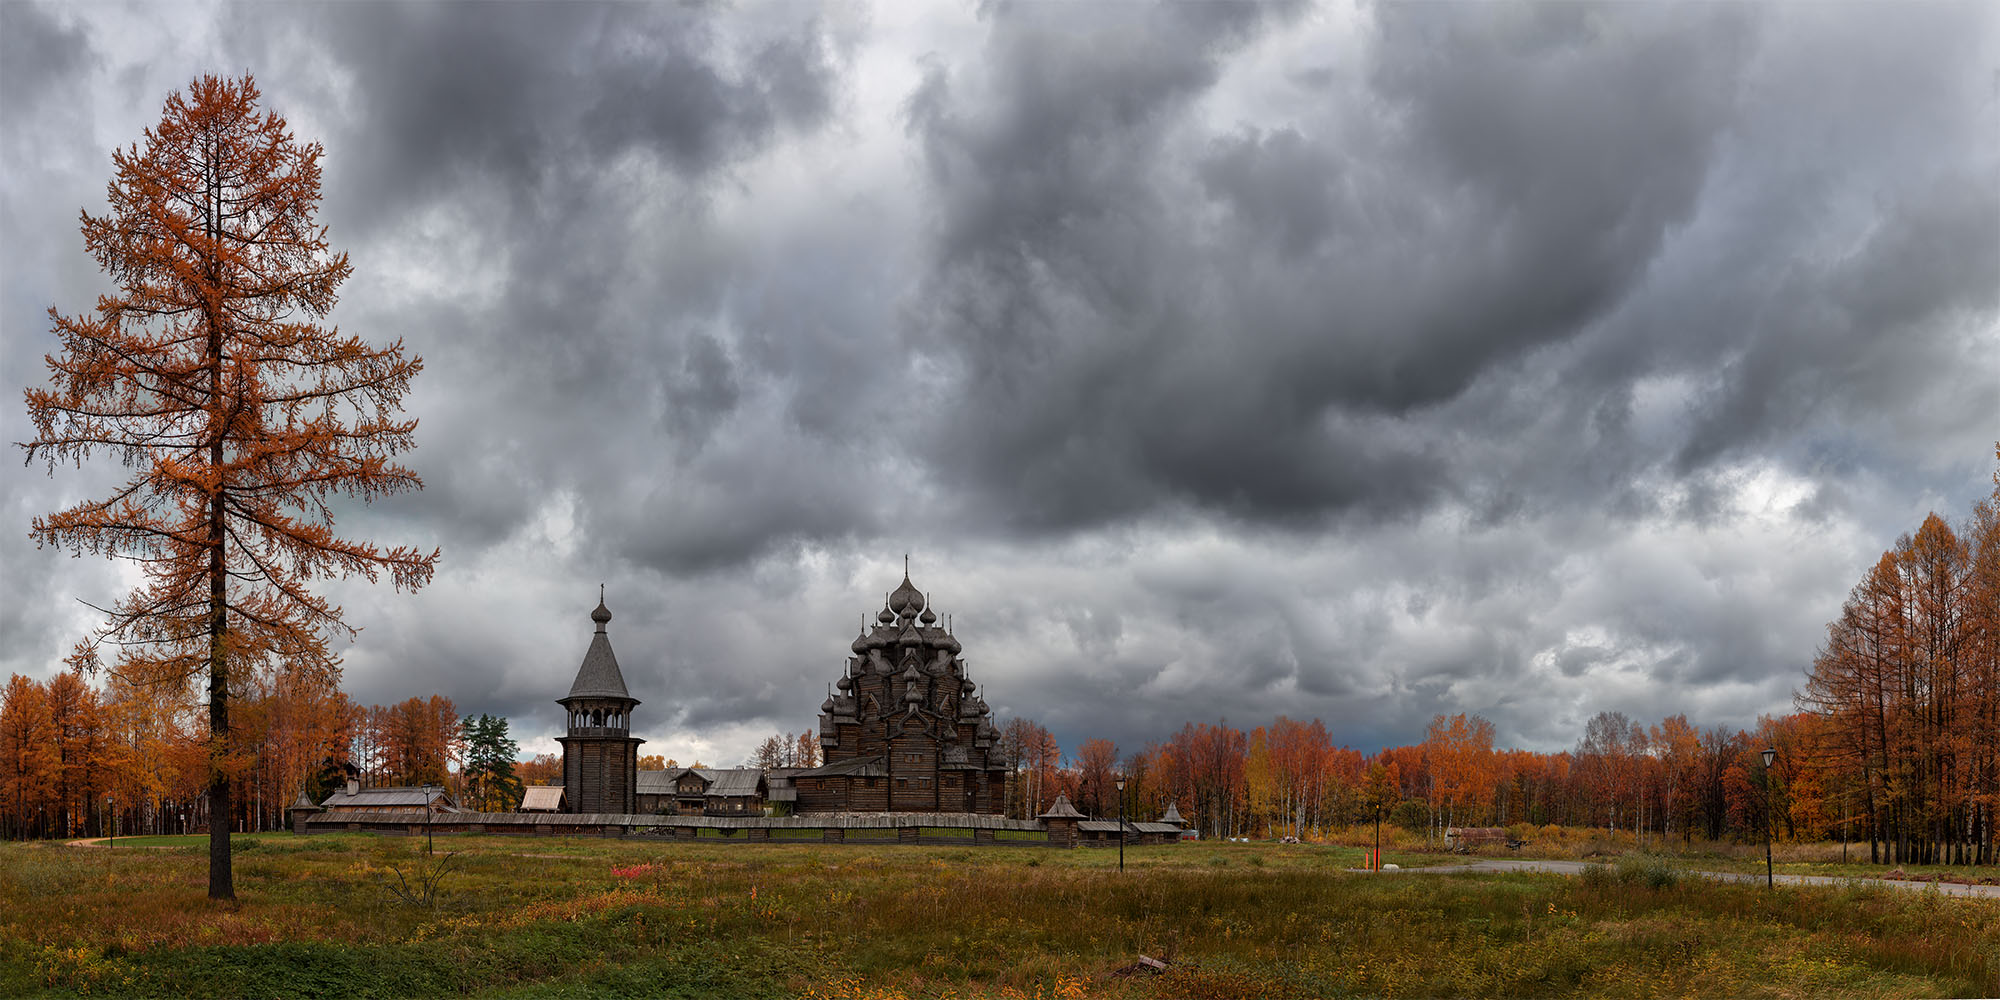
602	616
860	644
886	616
826	707
949	644
967	687
907	600
845	683
929	617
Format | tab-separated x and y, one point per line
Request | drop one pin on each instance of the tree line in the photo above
73	756
1896	742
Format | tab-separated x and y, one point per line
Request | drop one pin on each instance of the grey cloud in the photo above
1280	367
536	96
38	55
1534	360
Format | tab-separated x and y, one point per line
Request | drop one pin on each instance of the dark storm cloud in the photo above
1507	177
1212	360
544	95
575	151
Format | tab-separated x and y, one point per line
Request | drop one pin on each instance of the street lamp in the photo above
111	806
1770	754
1120	782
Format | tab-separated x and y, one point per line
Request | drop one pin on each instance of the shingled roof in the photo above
868	767
599	676
542	798
735	782
1061	810
413	797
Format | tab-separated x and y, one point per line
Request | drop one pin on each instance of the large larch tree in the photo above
208	375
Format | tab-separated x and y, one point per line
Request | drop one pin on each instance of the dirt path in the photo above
1577	867
100	842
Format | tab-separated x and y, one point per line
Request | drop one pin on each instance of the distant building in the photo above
703	791
600	754
781	797
906	731
404	799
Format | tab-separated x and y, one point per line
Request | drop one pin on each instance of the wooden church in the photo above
904	729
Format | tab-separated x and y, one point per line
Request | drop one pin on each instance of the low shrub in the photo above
1649	870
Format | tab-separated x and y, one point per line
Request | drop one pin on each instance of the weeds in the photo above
419	886
555	917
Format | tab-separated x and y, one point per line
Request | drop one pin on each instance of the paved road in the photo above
1576	867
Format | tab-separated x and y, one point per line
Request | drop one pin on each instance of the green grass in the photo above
547	917
238	842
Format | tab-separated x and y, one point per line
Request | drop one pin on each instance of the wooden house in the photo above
703	791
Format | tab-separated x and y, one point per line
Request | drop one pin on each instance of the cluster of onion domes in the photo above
906	625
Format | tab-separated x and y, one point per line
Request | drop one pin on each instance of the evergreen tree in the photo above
490	782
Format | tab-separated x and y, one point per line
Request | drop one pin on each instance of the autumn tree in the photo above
1097	765
206	373
1460	752
547	767
776	751
27	751
420	739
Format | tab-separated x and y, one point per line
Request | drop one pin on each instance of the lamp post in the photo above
111	806
1770	754
1120	782
1378	834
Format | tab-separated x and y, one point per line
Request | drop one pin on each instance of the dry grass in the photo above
535	917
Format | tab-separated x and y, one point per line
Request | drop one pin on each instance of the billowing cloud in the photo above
1353	361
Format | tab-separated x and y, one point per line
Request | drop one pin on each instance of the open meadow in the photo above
352	915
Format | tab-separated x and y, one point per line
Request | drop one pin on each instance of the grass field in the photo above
535	917
1579	844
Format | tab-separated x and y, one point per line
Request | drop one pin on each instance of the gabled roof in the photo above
381	798
540	798
658	782
736	782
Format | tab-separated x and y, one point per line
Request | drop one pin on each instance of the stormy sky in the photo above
1209	361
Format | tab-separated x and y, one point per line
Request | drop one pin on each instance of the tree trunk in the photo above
221	881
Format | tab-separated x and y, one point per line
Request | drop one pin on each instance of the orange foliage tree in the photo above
1463	769
207	375
419	740
1096	766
